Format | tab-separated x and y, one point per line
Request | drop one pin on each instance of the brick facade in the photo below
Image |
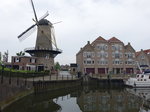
106	56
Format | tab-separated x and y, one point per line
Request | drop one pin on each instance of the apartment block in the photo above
106	56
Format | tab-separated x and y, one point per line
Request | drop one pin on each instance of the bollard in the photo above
43	76
62	77
56	77
67	77
33	80
50	77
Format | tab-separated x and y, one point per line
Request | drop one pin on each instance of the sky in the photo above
82	21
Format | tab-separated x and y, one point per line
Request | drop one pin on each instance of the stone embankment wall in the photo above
10	87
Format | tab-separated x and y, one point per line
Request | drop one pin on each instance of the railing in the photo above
35	48
8	77
112	76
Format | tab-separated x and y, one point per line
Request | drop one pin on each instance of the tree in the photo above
57	66
20	53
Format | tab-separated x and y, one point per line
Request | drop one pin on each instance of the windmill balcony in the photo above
35	49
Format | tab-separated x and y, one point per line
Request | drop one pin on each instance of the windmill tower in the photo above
45	48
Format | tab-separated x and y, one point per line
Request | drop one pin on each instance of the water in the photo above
88	98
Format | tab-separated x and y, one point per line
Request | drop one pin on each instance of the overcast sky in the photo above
82	21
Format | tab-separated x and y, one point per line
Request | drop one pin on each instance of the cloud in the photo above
83	20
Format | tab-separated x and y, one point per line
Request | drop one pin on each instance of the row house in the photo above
106	56
143	59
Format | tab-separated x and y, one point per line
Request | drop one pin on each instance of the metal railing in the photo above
35	48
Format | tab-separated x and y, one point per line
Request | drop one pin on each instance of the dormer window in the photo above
142	57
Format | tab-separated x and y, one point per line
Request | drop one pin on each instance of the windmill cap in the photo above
44	22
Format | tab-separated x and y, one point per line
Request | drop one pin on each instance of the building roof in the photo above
114	39
129	47
147	51
24	56
87	46
99	39
44	22
73	65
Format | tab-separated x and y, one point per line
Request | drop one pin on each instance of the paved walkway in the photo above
52	78
63	75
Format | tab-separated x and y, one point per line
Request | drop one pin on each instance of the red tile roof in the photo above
99	39
114	39
147	51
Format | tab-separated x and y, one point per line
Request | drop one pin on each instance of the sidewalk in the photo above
53	78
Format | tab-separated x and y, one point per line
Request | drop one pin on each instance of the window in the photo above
33	60
117	62
116	47
92	62
117	55
142	57
113	47
84	54
106	54
47	56
88	61
129	55
142	76
106	47
88	54
102	47
121	55
113	54
17	60
129	62
120	47
103	62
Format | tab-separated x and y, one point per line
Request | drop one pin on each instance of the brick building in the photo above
106	56
143	59
27	63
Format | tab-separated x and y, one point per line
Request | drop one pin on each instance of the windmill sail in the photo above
27	32
44	16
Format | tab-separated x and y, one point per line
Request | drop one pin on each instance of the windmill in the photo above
45	48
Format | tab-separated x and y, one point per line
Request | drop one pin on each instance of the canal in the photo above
91	97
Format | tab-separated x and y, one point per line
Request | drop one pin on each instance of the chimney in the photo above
88	42
129	43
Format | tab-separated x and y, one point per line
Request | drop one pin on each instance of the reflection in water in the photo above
106	100
144	95
68	104
96	98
